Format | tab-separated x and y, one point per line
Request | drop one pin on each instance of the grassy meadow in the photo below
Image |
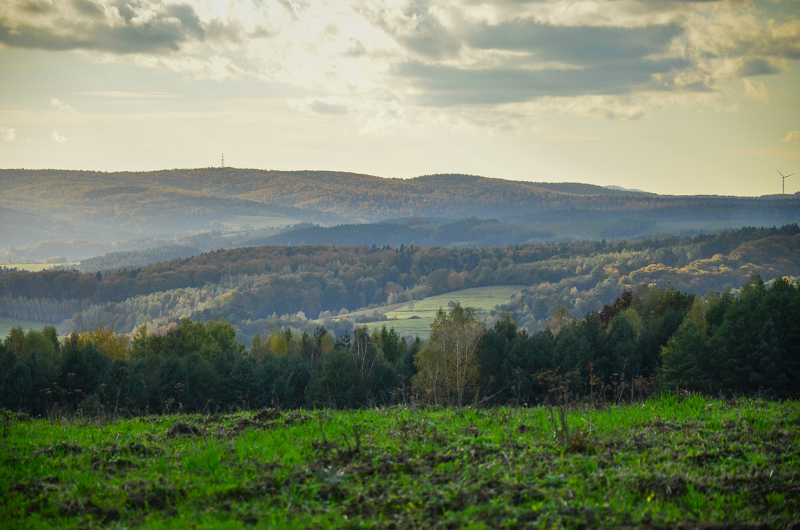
36	267
415	318
690	461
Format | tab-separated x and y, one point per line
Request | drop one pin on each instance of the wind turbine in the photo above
784	180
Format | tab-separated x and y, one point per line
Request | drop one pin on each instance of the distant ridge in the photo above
575	188
620	188
171	203
578	188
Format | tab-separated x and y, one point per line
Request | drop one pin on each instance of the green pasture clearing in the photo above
36	267
482	299
669	462
7	323
405	328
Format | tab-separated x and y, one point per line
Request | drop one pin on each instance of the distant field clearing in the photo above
414	318
7	323
36	267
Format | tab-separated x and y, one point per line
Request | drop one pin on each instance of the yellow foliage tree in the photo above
279	344
560	320
448	364
326	344
113	344
430	372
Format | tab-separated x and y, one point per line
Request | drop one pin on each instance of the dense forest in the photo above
256	288
651	339
415	231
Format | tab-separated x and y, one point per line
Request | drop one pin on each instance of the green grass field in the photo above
691	462
7	323
483	299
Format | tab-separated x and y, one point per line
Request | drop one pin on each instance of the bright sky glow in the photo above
676	97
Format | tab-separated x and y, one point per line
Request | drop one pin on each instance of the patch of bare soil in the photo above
63	448
84	508
180	428
155	495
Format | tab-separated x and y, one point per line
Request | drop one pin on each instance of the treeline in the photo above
200	367
6	270
654	339
648	340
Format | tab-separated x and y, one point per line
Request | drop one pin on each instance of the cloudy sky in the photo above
668	96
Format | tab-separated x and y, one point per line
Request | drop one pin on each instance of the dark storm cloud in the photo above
37	7
787	47
429	38
442	86
88	8
595	60
758	66
656	5
575	45
432	41
328	108
173	26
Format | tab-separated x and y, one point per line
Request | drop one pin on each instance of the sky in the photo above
668	96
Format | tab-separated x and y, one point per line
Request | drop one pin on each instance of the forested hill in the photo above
189	198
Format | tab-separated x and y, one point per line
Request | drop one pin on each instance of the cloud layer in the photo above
61	106
383	59
117	26
792	137
8	134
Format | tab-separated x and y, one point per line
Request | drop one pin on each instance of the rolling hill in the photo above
47	205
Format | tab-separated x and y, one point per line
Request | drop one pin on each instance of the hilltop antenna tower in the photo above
784	180
222	164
